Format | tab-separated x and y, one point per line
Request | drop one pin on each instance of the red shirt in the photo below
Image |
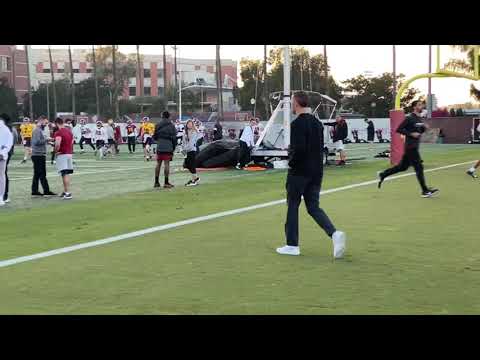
66	145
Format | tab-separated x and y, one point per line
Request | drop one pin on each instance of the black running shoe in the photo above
429	193
49	193
156	185
380	179
37	194
472	174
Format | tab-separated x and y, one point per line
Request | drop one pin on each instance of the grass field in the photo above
406	255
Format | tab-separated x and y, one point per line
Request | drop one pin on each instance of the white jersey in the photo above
180	129
201	131
247	136
85	131
100	134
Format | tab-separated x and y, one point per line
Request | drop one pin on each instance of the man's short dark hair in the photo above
301	98
414	103
166	115
5	117
59	121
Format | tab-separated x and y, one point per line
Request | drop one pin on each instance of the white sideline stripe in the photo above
154	229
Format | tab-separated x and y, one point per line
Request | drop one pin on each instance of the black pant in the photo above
310	189
131	143
190	162
39	173
199	143
87	141
411	157
5	195
243	154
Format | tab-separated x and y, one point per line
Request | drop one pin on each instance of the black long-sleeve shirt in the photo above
306	147
340	130
412	123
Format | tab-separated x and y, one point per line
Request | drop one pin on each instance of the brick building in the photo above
13	67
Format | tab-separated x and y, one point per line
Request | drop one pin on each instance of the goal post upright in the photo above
397	115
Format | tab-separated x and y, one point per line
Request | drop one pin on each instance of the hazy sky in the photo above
345	61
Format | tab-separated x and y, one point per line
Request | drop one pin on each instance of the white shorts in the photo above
338	145
65	164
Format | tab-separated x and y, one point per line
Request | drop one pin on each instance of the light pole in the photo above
48	101
394	73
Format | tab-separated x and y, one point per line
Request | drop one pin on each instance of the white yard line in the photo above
154	229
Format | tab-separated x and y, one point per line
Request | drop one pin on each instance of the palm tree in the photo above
95	77
327	90
139	73
394	57
265	82
115	90
462	65
165	84
219	83
30	103
53	83
72	81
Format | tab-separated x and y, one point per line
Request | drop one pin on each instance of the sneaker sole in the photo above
340	254
291	254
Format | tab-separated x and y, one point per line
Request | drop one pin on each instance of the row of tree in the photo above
371	96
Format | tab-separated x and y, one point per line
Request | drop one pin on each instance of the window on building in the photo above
146	73
5	63
60	71
89	70
147	91
197	67
132	91
76	71
160	74
161	91
46	71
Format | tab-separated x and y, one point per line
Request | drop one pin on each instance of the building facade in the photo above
13	67
190	71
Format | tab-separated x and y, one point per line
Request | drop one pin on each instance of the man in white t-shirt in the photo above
247	142
100	137
179	127
86	136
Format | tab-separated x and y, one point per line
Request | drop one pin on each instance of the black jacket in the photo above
306	147
340	131
217	132
166	136
411	124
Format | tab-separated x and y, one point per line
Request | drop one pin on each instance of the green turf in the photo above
406	255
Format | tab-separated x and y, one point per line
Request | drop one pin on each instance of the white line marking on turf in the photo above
154	229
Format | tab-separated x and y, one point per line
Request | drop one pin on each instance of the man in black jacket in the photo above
370	133
340	133
166	137
305	178
412	128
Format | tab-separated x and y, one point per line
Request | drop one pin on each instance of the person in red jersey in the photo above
64	150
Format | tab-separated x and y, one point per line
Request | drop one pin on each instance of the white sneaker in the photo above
2	203
339	239
288	250
6	201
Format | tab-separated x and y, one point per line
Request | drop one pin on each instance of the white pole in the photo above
286	96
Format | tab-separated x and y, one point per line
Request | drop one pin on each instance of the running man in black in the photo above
413	128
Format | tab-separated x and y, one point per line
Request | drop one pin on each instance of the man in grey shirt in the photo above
39	158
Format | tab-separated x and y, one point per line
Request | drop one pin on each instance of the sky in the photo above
345	61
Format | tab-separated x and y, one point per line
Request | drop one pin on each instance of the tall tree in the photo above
375	90
115	88
29	83
54	92
460	64
219	82
165	83
72	81
174	47
95	77
265	83
325	59
139	72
